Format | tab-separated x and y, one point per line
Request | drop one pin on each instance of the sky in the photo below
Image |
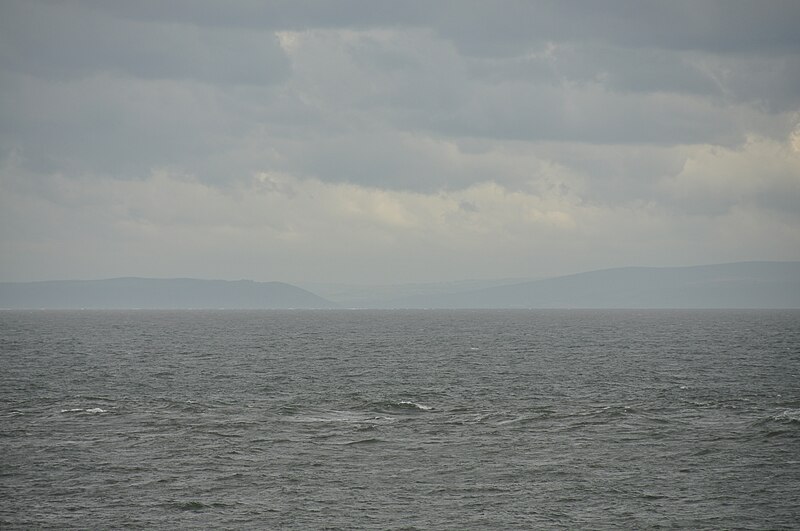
395	141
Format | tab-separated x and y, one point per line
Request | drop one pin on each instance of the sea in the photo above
418	419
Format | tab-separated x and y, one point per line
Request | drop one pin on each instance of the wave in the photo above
91	410
402	405
337	416
788	416
193	506
414	405
374	413
371	440
781	424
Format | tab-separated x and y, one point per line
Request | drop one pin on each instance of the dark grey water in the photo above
400	419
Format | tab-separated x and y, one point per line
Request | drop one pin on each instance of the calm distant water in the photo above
400	419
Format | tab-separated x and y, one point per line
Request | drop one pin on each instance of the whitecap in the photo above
407	403
789	415
336	416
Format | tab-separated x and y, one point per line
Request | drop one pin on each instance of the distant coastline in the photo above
148	293
734	285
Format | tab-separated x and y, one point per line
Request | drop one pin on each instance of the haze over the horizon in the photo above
383	141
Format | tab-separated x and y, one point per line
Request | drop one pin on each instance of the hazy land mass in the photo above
736	285
147	293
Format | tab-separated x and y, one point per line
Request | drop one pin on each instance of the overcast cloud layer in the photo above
395	141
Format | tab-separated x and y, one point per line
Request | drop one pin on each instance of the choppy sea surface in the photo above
400	419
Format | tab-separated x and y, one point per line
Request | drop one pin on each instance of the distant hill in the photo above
737	285
157	294
387	295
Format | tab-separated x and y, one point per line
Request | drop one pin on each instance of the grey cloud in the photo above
114	126
536	112
618	173
634	70
514	27
509	27
771	84
557	95
468	206
761	177
383	159
617	69
522	129
275	14
58	42
406	72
